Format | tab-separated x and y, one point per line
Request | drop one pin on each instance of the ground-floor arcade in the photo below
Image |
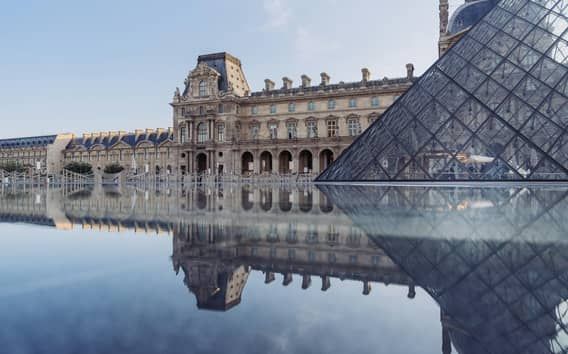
256	161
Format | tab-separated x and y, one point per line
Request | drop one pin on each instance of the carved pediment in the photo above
145	144
203	70
167	143
120	145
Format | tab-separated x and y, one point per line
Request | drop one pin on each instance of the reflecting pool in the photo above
242	269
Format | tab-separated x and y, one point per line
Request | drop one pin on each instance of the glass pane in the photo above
434	81
508	75
470	78
451	63
532	91
517	27
483	32
548	71
502	43
515	112
554	23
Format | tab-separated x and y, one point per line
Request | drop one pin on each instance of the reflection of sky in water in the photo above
92	292
489	267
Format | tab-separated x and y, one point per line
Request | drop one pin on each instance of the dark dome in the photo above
469	14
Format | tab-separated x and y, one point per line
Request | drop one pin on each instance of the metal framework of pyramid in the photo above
492	108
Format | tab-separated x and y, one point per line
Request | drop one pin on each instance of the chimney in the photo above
286	83
268	85
444	16
366	74
410	71
324	79
170	130
306	81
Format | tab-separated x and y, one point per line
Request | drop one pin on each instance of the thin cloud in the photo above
278	13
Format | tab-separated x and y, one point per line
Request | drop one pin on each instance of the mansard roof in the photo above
130	139
36	141
493	107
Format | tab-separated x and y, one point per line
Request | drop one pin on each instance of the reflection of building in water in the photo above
493	259
216	258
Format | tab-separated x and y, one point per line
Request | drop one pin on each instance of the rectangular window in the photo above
352	103
273	127
254	110
182	135
375	101
331	104
221	133
292	131
354	127
331	128
254	132
311	106
273	109
312	129
291	107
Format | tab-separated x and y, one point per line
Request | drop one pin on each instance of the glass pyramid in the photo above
494	107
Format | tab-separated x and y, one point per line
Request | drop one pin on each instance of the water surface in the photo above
339	269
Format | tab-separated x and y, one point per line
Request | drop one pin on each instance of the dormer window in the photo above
202	88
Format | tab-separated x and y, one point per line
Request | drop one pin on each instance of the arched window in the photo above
202	88
202	133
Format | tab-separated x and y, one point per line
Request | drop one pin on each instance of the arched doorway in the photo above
266	199
247	163
285	200
266	162
247	199
306	162
285	163
305	200
201	163
326	158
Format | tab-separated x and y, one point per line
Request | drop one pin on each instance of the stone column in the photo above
275	164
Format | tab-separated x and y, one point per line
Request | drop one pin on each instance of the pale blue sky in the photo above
79	66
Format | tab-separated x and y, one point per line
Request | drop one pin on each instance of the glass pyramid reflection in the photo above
493	107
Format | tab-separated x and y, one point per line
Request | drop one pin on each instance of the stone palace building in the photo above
223	127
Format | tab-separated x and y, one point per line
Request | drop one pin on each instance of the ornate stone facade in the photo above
223	128
144	151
